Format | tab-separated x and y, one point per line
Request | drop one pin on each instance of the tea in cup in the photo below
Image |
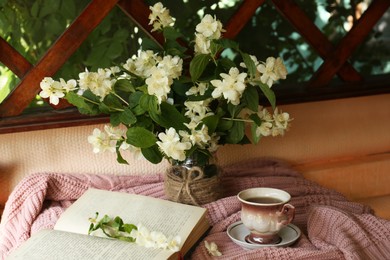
265	211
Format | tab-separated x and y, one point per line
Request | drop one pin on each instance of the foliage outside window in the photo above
31	27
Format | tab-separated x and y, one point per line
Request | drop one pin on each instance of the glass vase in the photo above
193	181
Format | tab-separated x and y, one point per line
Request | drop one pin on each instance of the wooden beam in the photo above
13	59
310	32
241	17
56	56
349	43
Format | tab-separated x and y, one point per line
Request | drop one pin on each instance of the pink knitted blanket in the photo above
332	227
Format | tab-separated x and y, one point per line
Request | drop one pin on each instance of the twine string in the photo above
182	183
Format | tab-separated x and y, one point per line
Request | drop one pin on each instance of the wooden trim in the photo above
48	119
241	17
13	59
56	56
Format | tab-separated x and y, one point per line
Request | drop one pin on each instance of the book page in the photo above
164	216
53	244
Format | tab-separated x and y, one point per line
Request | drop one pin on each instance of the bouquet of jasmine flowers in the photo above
177	100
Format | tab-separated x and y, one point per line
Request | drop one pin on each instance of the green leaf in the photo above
227	43
81	104
174	48
171	34
168	117
152	154
104	108
140	137
255	118
149	44
114	50
119	157
236	133
224	125
250	65
112	101
68	8
211	122
234	110
148	103
215	47
251	98
180	88
269	94
255	138
115	119
124	85
35	9
134	98
128	228
119	222
127	117
197	65
225	64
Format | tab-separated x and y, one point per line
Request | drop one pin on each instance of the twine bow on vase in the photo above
191	185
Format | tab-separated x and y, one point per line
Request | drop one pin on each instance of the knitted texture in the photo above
332	227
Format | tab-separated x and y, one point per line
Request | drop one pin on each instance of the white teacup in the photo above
264	212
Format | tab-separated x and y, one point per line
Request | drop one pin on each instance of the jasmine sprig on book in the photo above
138	234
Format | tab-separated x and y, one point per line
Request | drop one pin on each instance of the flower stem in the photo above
96	103
238	119
124	101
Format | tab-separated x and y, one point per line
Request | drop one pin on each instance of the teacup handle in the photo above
288	210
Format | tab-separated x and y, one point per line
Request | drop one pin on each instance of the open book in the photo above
70	240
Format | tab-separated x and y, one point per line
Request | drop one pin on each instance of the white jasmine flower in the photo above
253	58
159	84
272	70
114	133
264	129
231	87
142	64
115	69
142	236
99	83
198	89
197	110
101	142
174	243
154	239
280	69
69	85
130	65
210	27
197	137
213	143
159	239
170	144
135	151
274	125
160	17
265	115
281	122
172	65
51	89
202	44
212	248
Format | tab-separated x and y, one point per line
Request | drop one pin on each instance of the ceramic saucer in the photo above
237	232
